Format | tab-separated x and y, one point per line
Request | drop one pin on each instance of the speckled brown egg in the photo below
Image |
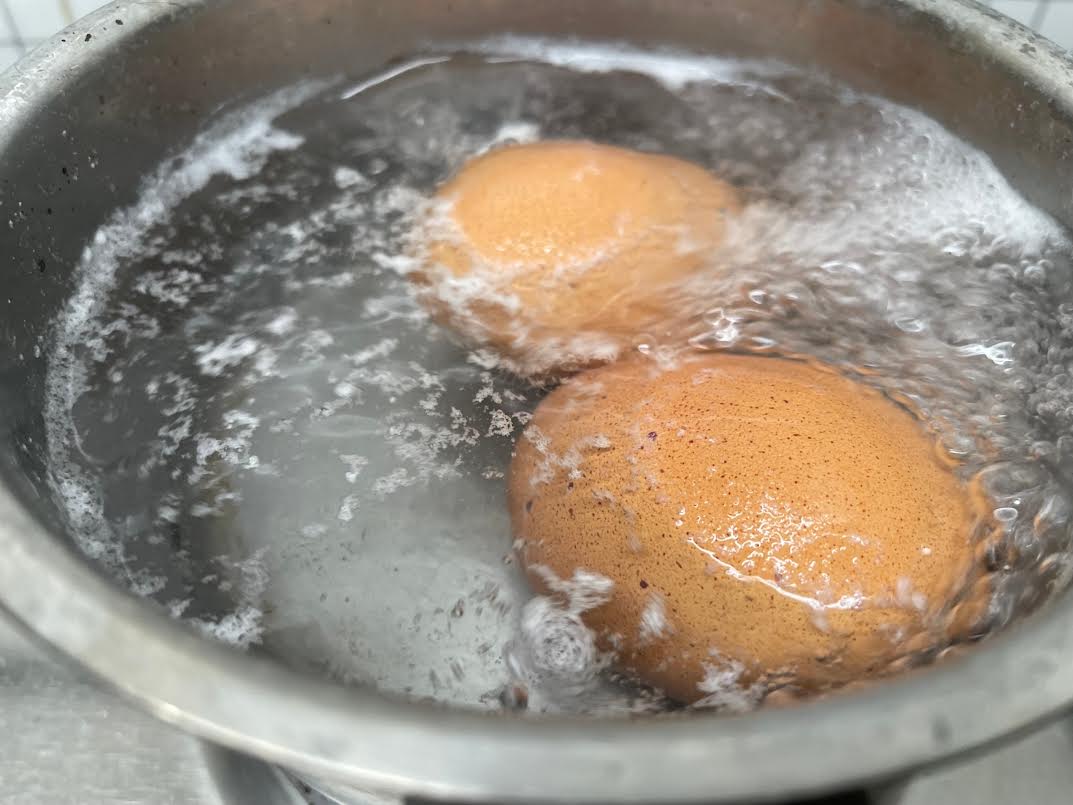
557	254
765	522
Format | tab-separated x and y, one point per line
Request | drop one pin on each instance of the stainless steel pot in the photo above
85	116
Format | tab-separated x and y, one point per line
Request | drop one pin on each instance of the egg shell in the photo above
559	254
762	519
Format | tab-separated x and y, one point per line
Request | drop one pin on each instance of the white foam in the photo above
350	332
584	590
556	644
347	508
500	425
355	465
675	69
284	322
214	358
723	688
237	145
241	628
346	178
172	286
654	623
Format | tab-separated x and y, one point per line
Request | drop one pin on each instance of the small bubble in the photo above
1005	514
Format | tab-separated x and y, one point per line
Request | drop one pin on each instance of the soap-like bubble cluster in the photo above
252	423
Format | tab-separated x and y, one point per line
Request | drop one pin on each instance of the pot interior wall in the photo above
144	91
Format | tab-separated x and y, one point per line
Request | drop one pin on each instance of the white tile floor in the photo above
25	23
1052	18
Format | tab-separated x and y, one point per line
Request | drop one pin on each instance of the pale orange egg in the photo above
763	521
561	254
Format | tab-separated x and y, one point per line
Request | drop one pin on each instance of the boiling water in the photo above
252	422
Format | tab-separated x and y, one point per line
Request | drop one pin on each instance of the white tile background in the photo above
25	23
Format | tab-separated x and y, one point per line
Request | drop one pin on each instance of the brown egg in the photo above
559	253
764	521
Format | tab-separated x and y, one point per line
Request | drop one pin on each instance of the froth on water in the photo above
252	423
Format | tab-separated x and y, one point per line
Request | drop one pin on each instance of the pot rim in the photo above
363	738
